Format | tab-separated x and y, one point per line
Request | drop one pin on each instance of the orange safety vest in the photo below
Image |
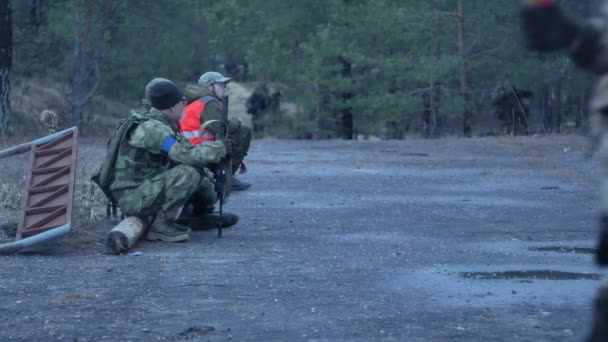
190	124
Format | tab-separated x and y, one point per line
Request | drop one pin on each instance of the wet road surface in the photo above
447	240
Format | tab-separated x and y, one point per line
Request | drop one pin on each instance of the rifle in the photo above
224	164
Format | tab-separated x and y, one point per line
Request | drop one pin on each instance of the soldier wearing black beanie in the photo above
165	94
156	171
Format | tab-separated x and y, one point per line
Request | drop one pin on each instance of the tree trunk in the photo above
318	128
548	109
430	113
76	67
582	108
85	71
347	124
464	86
6	60
578	108
37	14
346	115
557	113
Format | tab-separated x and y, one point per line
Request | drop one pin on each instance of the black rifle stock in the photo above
221	175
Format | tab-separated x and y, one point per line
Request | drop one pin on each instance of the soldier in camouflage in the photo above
547	29
158	171
204	101
146	105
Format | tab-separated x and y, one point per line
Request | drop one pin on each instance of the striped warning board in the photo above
48	196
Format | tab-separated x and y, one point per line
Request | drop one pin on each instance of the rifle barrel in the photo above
222	167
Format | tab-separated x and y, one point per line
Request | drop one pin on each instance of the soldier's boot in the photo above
168	230
239	185
210	221
601	254
600	317
202	209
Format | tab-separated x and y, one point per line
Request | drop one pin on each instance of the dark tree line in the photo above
348	68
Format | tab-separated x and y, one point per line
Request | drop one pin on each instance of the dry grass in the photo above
30	97
89	201
12	181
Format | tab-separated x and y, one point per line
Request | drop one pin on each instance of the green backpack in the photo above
104	175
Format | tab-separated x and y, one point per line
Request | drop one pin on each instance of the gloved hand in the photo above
545	26
205	172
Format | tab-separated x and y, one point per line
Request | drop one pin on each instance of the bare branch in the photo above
487	51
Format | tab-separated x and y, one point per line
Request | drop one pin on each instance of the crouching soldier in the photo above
200	123
157	170
547	29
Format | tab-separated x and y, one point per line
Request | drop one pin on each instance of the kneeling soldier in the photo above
158	171
204	108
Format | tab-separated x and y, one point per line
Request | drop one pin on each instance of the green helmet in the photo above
211	77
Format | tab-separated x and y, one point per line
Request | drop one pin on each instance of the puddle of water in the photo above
536	274
358	169
574	285
415	154
375	237
405	153
563	249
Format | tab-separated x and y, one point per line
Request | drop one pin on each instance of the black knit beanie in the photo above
165	94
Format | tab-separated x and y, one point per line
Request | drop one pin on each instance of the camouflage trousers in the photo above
167	191
599	330
241	139
599	133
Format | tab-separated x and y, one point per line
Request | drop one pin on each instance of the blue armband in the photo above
169	142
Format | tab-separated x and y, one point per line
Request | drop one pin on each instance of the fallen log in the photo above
125	234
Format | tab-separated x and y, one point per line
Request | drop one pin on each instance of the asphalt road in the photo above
445	240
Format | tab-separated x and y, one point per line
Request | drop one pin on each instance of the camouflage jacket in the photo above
156	145
590	52
590	48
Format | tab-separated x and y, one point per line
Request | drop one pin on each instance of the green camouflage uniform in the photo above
595	39
240	135
590	52
547	29
148	178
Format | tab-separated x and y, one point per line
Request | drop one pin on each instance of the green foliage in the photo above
374	58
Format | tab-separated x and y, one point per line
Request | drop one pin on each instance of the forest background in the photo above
308	69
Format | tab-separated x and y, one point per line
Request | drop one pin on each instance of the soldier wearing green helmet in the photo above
204	106
157	172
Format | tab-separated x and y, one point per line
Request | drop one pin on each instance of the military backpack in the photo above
104	175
